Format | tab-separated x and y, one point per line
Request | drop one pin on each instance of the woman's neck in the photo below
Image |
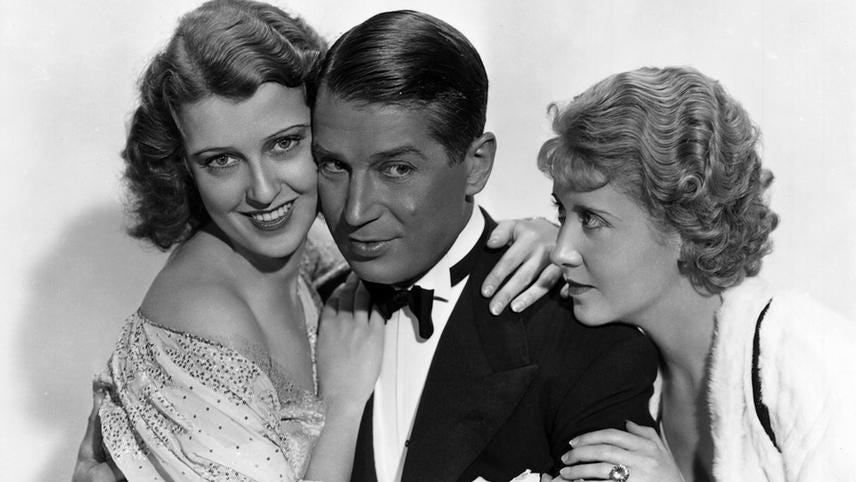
682	327
264	269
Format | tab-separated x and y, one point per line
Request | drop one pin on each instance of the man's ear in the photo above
479	161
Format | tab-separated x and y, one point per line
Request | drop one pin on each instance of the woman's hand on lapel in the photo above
350	346
525	267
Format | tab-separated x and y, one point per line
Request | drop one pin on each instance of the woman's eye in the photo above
560	211
221	161
591	221
284	144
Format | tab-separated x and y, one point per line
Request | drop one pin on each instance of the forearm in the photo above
333	456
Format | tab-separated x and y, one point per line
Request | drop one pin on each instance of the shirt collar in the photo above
437	278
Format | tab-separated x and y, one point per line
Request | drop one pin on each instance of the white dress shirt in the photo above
407	357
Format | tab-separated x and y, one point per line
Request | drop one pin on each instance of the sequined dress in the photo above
187	408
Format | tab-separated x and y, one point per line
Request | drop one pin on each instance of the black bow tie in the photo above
388	300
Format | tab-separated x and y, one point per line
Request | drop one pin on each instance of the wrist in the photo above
345	405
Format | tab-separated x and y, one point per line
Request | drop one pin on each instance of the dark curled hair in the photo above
673	140
225	48
415	61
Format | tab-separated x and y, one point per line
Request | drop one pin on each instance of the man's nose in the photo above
360	205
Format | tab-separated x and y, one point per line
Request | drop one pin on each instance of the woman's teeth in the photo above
272	220
272	215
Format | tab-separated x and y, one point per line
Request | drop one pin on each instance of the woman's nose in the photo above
262	188
565	253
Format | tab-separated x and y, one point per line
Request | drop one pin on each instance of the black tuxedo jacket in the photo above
506	393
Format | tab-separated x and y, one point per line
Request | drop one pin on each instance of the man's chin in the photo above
385	271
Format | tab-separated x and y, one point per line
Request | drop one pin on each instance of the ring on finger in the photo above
619	473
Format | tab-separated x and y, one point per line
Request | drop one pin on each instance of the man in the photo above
398	128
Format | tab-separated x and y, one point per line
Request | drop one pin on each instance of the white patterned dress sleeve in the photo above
185	408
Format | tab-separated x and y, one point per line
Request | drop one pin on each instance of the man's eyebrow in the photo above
318	152
397	152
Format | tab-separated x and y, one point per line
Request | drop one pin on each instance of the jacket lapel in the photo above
479	373
364	463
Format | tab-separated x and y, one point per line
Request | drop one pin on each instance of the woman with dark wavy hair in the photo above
213	377
661	195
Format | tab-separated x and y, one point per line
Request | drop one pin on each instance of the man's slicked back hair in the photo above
415	61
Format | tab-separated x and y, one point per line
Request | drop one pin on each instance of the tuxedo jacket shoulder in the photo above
506	393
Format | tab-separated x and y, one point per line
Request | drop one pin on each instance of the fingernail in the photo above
573	441
566	459
494	309
487	290
565	472
517	306
493	240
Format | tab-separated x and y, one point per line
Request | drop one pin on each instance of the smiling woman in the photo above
215	375
252	164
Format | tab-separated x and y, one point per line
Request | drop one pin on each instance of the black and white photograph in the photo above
428	240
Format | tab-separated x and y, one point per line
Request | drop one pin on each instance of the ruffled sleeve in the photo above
184	408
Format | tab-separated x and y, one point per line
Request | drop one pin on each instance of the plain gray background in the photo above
67	73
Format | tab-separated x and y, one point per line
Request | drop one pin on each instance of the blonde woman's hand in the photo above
350	346
525	267
640	449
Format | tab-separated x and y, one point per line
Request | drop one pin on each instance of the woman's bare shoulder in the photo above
197	293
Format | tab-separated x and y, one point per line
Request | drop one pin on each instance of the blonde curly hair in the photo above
673	140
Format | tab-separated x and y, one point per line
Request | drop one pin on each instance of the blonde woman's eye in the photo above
560	211
591	221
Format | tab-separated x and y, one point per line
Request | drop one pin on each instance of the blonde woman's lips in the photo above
573	288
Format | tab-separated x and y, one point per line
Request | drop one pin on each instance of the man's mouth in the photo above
368	248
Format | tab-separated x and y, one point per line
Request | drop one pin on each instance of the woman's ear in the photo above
479	161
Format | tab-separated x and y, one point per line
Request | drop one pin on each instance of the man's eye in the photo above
331	167
222	161
398	169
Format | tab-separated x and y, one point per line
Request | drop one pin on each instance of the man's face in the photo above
392	200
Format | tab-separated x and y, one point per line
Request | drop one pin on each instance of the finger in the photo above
346	300
611	436
519	281
331	306
511	259
99	473
642	431
595	471
362	303
598	453
90	446
502	234
545	282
